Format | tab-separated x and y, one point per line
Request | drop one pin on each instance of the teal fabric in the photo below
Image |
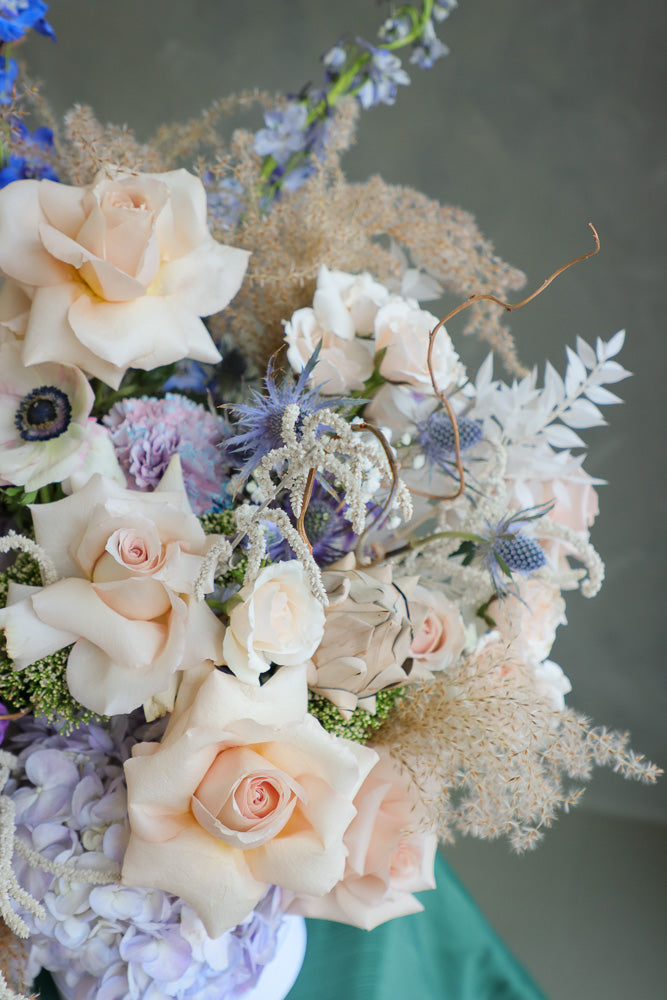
448	952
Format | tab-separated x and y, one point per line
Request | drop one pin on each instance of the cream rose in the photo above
388	858
127	563
344	305
366	642
245	790
402	330
280	621
118	273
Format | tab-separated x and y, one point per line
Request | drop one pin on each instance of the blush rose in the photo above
245	790
127	563
388	857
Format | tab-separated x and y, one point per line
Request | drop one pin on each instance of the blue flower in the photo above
224	201
261	421
18	16
286	133
509	549
427	48
29	163
435	435
383	76
8	72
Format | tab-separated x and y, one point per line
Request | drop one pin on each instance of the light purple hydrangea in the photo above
114	942
146	433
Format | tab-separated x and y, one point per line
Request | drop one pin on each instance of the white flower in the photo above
44	426
117	274
402	330
279	621
344	306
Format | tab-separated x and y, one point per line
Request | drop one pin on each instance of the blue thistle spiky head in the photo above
510	549
435	435
260	422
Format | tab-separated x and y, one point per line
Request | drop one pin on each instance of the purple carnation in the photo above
147	432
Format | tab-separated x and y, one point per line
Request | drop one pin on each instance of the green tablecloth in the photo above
448	952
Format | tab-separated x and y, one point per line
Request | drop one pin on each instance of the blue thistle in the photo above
507	549
261	421
435	435
326	525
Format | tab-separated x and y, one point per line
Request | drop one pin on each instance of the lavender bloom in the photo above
111	941
224	201
285	133
18	16
427	49
146	433
30	163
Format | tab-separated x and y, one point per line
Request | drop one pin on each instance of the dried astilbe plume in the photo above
490	754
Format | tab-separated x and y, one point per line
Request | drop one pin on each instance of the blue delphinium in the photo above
435	436
224	200
378	77
428	48
261	421
29	163
18	16
8	72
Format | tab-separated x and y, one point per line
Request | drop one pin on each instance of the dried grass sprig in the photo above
491	756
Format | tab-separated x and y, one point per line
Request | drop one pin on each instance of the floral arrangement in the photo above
285	579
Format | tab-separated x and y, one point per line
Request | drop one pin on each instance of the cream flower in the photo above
388	859
43	420
402	330
127	562
367	636
344	305
117	273
245	790
279	621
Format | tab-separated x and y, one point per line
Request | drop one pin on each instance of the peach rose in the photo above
279	621
245	790
528	621
387	859
402	330
117	273
127	563
439	633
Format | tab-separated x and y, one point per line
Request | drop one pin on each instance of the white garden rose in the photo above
402	331
279	621
117	273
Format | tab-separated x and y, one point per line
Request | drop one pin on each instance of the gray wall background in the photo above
544	116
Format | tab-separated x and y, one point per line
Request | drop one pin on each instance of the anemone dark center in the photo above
43	414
